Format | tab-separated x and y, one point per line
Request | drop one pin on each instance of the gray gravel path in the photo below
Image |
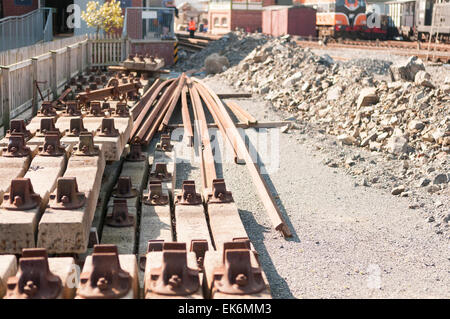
349	242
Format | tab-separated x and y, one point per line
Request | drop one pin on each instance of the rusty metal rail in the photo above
137	109
140	130
221	263
208	169
173	103
142	115
117	92
149	122
210	104
189	134
261	186
241	114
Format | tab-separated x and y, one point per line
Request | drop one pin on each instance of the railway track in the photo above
83	185
191	45
194	44
437	52
122	220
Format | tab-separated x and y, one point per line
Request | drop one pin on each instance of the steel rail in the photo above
63	95
208	167
274	124
442	55
145	110
164	113
240	113
261	186
212	107
85	97
234	95
174	102
210	37
156	124
144	128
188	132
203	177
191	45
136	110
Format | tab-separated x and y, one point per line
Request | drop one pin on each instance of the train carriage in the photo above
338	18
432	17
416	19
401	18
410	19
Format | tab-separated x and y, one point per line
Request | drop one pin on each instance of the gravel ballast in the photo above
350	241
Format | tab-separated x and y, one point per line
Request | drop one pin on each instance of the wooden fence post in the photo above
128	48
79	58
124	49
34	105
85	55
89	50
6	98
69	63
53	78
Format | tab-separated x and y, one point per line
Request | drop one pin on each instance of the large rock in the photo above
440	179
368	139
397	145
424	182
292	79
407	70
398	190
334	93
424	79
346	139
216	64
438	133
445	88
415	125
224	61
306	86
367	96
256	56
326	59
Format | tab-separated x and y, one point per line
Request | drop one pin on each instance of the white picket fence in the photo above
18	55
55	67
107	50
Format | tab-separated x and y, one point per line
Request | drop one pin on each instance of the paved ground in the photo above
349	242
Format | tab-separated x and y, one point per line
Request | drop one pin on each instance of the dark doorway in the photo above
60	16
